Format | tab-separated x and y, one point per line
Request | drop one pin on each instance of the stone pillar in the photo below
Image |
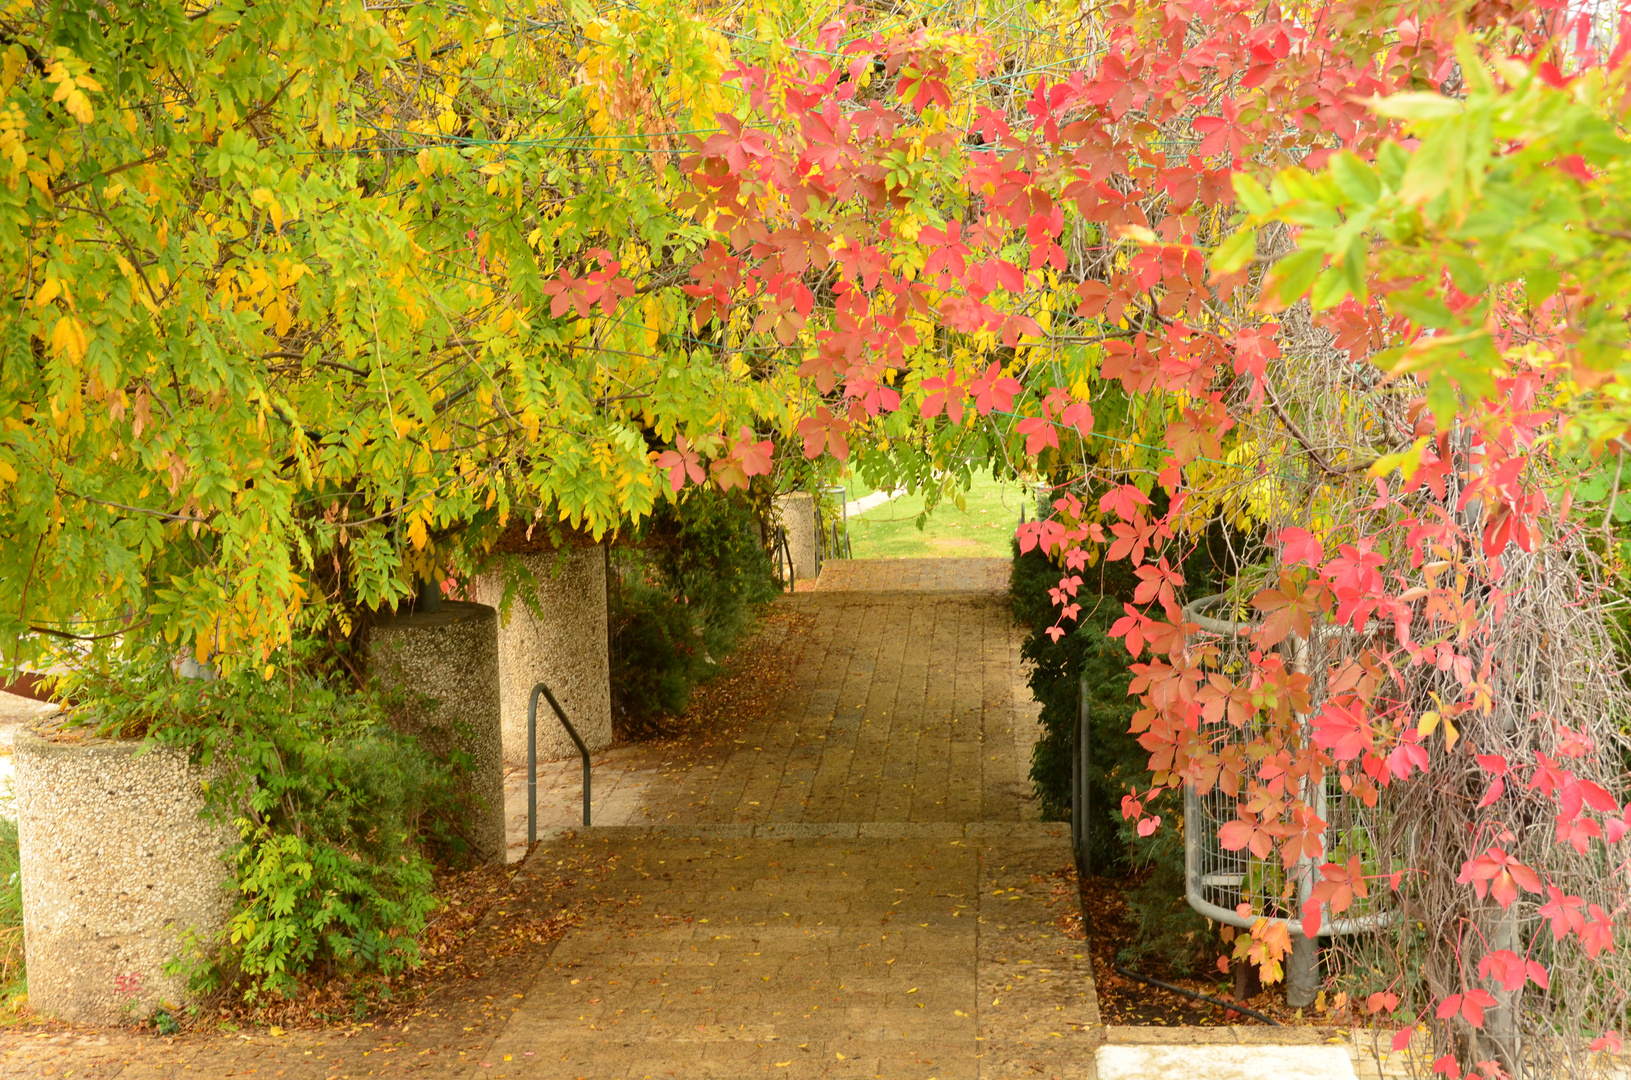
119	876
566	648
447	662
797	512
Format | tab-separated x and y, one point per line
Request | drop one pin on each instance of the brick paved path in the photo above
908	704
906	952
850	886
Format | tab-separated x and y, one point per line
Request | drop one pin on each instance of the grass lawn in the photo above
856	488
890	531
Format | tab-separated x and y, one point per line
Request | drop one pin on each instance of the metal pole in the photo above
1081	788
1302	972
1076	793
786	551
1087	777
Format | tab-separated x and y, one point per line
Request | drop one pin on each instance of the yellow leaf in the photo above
418	533
264	197
69	338
1406	461
48	292
1450	734
1427	724
654	319
16	60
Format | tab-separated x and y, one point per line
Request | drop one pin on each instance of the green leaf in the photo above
1353	266
1421	309
1357	180
1443	401
1330	289
1391	162
1465	272
1251	194
1294	274
1540	283
1416	105
1235	252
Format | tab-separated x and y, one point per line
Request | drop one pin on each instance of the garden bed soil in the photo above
1128	1002
483	947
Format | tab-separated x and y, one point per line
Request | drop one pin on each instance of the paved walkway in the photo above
868	502
853	885
850	883
906	703
831	955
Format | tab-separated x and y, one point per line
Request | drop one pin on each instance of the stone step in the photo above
821	830
1209	1061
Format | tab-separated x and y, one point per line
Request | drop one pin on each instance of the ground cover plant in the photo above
13	978
310	303
338	817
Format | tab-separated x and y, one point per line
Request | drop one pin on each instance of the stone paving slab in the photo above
914	575
895	830
835	955
1215	1062
903	707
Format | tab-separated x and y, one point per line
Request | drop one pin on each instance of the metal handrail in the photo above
785	550
532	759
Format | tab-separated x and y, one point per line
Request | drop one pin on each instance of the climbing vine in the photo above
312	301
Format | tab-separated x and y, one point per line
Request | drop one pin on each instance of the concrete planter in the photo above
797	513
447	661
119	875
567	649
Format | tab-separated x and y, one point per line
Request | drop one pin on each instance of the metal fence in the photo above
832	537
1238	888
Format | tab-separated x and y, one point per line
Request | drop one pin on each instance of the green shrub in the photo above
11	912
333	808
716	565
1167	929
658	654
683	597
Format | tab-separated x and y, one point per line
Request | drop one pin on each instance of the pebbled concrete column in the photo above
447	661
566	648
119	875
797	512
